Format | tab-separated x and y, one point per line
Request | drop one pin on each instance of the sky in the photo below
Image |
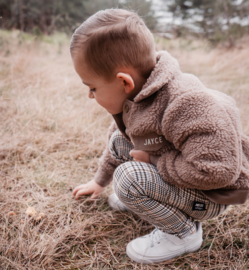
166	18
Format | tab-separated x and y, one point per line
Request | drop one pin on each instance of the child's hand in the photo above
139	155
89	188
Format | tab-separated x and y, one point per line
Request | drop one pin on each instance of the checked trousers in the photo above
140	187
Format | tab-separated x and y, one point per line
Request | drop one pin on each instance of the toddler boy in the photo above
176	151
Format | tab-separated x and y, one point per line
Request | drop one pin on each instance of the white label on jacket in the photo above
155	140
149	142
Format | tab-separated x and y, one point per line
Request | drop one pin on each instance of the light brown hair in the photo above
114	38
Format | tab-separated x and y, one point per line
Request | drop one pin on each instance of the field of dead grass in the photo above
51	136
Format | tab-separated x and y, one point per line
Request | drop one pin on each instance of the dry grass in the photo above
51	137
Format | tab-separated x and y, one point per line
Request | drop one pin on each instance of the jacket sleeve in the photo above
207	143
107	163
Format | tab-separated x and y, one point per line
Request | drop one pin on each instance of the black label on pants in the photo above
199	206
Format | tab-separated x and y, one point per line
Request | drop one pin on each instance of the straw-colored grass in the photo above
51	136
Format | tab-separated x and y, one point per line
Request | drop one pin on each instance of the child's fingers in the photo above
139	155
132	152
136	154
95	195
78	188
82	192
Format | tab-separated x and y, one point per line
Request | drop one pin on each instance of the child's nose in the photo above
90	94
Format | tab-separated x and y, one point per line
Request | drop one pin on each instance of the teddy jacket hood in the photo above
192	133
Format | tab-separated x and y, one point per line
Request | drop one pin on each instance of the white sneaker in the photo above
159	246
116	204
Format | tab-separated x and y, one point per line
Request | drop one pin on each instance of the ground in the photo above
51	137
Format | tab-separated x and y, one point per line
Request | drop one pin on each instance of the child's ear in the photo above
127	81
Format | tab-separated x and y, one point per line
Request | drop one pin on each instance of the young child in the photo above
176	151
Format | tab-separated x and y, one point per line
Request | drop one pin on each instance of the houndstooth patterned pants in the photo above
141	188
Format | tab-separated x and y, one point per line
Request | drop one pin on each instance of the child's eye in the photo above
92	90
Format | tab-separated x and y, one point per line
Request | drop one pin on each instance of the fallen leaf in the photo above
40	216
31	212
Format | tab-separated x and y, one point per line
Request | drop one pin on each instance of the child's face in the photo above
110	95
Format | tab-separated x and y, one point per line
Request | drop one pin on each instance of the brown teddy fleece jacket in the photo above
192	133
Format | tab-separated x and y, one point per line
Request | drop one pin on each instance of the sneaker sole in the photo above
146	260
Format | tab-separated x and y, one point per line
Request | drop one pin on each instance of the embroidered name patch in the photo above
199	206
152	141
149	142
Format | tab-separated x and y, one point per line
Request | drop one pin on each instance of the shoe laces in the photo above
155	237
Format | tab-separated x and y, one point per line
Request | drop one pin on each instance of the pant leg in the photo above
141	188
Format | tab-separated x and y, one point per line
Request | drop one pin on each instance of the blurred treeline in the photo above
216	20
47	16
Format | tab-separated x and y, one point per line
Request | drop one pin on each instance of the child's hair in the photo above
114	38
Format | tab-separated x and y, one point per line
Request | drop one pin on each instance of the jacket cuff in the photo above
102	178
154	159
